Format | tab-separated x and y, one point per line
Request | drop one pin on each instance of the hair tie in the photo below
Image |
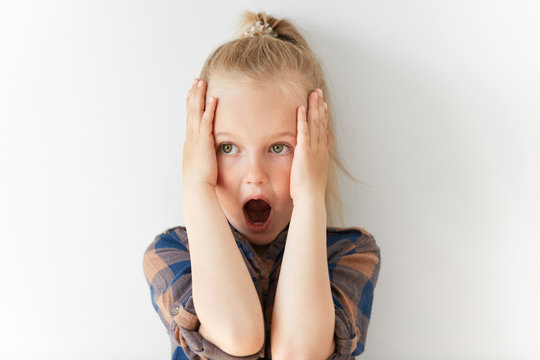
260	28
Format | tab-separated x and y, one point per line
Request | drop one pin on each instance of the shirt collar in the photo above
275	246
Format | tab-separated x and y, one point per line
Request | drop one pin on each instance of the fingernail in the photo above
200	83
320	92
193	82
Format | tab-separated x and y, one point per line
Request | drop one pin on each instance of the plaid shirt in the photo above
353	264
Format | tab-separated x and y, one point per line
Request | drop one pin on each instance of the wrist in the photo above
310	200
198	186
197	193
309	210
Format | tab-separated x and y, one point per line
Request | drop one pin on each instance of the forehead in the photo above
254	107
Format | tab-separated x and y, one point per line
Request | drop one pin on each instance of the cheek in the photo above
285	164
224	173
282	171
225	187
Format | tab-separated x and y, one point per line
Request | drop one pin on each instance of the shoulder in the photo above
347	231
353	234
174	237
351	237
353	250
168	248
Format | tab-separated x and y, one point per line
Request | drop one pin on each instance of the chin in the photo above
263	238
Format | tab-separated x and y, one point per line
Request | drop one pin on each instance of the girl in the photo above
256	272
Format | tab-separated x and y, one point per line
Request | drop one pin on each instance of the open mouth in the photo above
257	215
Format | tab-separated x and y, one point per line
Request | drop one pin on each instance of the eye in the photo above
228	148
280	148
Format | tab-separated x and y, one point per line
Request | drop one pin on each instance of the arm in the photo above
167	268
303	317
224	295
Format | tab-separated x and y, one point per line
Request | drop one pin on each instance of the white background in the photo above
438	112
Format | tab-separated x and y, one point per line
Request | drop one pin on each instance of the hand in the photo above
199	166
309	170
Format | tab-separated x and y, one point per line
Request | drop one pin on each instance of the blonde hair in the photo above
261	57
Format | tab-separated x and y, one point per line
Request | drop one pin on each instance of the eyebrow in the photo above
284	133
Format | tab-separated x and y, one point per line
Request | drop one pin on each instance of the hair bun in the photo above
257	24
260	24
260	28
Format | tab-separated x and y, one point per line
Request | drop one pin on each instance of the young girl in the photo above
256	272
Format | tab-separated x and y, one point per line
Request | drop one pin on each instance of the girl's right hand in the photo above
199	165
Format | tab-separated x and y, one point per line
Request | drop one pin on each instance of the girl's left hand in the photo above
309	170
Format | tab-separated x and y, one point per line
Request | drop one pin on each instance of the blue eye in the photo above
280	148
228	148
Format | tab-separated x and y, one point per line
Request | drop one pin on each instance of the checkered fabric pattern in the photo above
353	263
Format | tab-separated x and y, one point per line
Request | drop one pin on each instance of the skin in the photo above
252	158
294	181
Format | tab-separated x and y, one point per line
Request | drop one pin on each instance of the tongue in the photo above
258	210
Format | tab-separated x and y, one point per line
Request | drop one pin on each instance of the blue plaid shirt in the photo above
353	264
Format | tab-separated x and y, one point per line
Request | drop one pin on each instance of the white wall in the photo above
438	112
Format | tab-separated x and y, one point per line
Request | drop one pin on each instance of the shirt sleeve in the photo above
167	268
354	263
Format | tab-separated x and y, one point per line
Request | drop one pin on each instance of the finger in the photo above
317	123
191	94
200	98
193	83
196	99
322	110
313	118
191	120
191	90
321	117
302	127
207	121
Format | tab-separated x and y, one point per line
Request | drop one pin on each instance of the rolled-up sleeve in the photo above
167	268
354	262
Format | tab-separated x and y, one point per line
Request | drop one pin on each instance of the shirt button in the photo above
175	310
259	274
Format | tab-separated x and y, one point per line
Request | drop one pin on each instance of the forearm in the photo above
224	295
303	316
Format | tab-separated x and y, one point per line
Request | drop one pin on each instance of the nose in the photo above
256	172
